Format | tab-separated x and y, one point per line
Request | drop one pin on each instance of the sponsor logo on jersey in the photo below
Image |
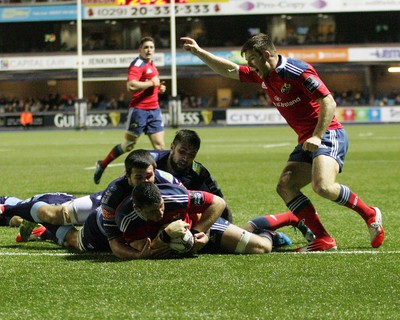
166	175
264	86
149	70
286	88
311	84
197	198
287	104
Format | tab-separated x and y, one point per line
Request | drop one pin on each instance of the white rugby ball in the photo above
182	244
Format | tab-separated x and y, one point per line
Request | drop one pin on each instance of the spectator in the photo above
26	118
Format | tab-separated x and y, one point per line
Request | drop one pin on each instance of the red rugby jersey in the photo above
293	87
142	70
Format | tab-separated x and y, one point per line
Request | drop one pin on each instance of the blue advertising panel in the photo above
38	13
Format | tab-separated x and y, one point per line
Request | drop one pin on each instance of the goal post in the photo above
81	119
175	110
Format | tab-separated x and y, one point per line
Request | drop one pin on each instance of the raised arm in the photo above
224	67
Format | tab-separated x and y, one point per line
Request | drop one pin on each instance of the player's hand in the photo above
190	45
162	88
149	252
156	81
312	144
200	240
177	228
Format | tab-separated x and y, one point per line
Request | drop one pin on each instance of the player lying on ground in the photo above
139	166
139	219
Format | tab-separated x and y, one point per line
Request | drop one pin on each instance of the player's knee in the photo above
15	221
159	145
322	189
248	227
128	145
281	188
48	213
258	245
71	239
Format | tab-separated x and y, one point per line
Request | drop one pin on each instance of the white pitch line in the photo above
58	254
340	252
267	146
366	134
54	254
110	165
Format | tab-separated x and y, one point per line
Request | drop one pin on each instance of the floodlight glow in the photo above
394	69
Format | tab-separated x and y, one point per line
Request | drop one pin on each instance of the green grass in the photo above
41	280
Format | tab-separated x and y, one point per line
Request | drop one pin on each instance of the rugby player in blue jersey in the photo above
153	206
140	166
140	217
180	162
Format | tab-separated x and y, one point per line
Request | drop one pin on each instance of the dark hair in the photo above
139	159
259	42
145	194
145	39
187	136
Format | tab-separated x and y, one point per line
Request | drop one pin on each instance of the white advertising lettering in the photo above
68	121
186	118
64	121
253	116
97	120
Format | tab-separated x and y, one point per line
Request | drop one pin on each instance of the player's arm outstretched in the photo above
224	67
139	249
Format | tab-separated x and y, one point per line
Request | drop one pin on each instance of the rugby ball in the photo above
182	244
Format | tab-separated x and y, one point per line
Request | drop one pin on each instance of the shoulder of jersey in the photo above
197	167
159	154
165	175
138	62
291	68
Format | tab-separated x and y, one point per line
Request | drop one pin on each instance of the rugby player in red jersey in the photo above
144	111
307	105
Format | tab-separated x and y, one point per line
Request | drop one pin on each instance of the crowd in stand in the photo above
58	102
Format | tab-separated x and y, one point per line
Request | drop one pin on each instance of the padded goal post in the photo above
175	111
81	119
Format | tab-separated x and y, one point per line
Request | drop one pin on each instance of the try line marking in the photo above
110	165
340	252
267	146
64	254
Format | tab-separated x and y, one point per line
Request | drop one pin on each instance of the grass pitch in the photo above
41	280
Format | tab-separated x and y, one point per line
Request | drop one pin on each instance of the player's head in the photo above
184	149
146	48
147	201
260	53
140	167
